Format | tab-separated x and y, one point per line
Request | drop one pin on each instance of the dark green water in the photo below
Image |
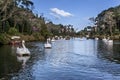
67	60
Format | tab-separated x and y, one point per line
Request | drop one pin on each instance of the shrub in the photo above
4	39
13	31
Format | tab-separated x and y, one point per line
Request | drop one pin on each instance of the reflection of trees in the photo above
8	63
102	50
108	51
116	51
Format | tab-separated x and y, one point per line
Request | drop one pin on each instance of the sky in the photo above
74	12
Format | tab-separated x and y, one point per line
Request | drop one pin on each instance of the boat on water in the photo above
15	40
96	38
104	39
47	44
108	41
22	51
53	39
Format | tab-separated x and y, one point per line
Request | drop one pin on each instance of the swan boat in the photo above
53	39
22	51
47	45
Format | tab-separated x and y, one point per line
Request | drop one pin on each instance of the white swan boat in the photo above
15	40
96	38
104	39
110	42
53	39
22	51
47	45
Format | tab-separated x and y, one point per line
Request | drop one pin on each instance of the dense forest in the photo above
17	18
106	24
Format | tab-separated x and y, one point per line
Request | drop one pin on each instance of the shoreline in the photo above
5	39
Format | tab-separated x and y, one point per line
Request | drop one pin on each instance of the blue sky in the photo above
74	12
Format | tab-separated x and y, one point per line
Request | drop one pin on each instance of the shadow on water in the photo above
8	61
111	52
116	51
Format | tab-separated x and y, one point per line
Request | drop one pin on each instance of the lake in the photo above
75	59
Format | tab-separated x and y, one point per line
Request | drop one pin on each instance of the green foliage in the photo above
108	22
38	36
116	32
44	31
7	26
13	31
1	38
4	39
22	19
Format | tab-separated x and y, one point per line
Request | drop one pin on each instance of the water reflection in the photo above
8	62
23	59
108	51
116	52
13	50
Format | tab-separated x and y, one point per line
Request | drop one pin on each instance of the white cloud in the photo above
59	12
56	16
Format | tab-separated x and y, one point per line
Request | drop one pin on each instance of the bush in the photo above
4	39
13	31
38	36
